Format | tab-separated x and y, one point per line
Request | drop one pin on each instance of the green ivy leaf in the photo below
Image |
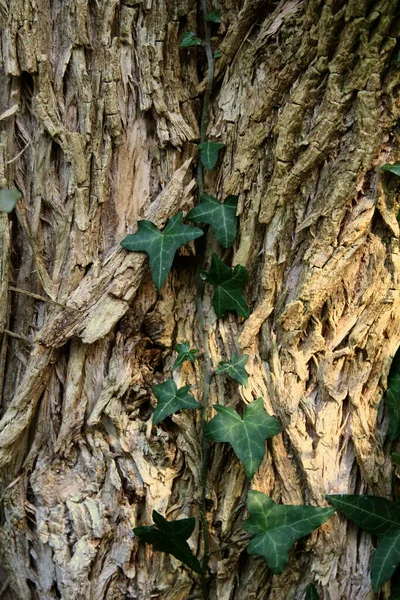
170	537
190	39
160	246
396	458
170	400
217	54
214	17
394	168
221	217
209	153
311	593
235	368
378	516
184	353
278	526
392	398
247	435
229	284
8	199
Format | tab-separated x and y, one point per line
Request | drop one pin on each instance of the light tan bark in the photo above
103	112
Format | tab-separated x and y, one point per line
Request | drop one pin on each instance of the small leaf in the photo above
378	516
221	217
235	368
247	436
392	398
217	54
8	199
184	353
278	526
229	284
209	154
214	17
311	593
394	168
396	458
170	400
190	39
170	537
160	246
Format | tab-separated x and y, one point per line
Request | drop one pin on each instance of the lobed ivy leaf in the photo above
378	516
170	399
235	368
221	217
190	39
214	17
392	398
161	246
396	458
209	153
311	593
278	526
184	353
247	435
229	284
8	199
394	168
170	537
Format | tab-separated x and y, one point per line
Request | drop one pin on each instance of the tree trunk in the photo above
100	117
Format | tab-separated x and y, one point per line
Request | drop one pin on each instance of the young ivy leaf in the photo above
392	398
221	217
247	435
229	284
161	246
394	168
378	516
209	153
214	17
311	593
170	400
184	353
235	368
8	199
190	39
170	537
278	526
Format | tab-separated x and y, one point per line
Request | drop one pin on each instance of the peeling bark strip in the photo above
99	115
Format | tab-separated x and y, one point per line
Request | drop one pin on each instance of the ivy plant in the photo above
185	353
8	199
170	400
235	368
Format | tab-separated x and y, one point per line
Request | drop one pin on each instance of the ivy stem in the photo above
207	360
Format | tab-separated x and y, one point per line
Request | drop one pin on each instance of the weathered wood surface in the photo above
99	109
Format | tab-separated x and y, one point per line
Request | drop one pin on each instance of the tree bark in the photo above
100	118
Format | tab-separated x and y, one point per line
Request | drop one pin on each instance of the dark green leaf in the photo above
247	436
311	593
378	516
221	217
392	398
190	39
235	368
8	199
229	284
209	153
394	168
170	399
217	54
278	526
385	559
396	458
161	246
214	17
170	537
184	353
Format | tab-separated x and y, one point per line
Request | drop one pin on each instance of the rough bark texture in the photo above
99	112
